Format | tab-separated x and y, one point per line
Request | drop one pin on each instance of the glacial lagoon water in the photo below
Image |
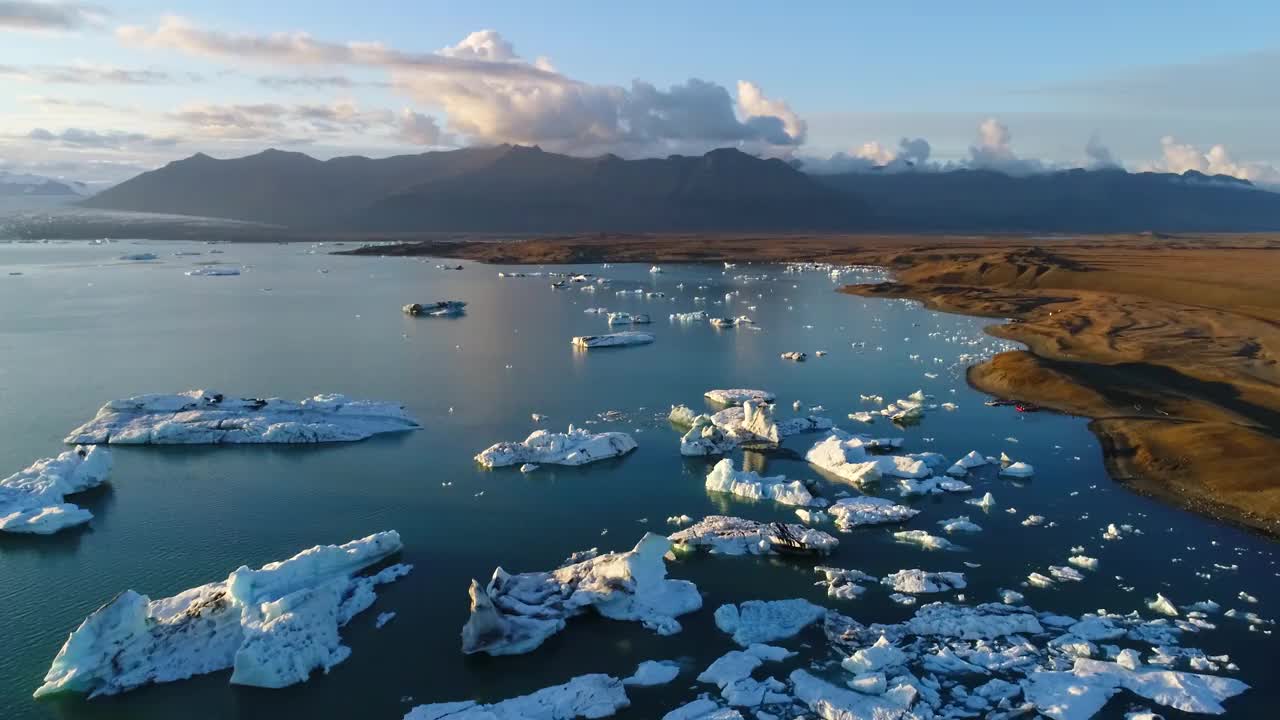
78	327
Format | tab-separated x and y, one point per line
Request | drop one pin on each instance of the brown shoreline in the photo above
1169	344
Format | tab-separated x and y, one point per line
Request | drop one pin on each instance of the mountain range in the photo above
510	188
28	185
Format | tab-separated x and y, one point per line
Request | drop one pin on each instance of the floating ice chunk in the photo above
1083	561
986	502
704	438
923	539
576	447
682	416
1033	521
984	622
729	668
383	619
1010	597
868	683
1163	605
139	256
1065	574
32	501
1085	689
867	510
655	270
1018	470
212	272
837	703
880	656
723	478
273	626
737	396
959	524
653	672
205	417
679	520
442	308
841	583
862	417
736	536
965	464
689	316
618	339
528	468
626	318
795	356
761	621
585	696
811	517
919	581
702	709
901	599
514	614
848	457
1040	581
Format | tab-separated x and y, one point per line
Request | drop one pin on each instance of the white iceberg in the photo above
653	672
576	447
626	318
761	621
842	583
514	614
919	581
689	316
212	272
959	523
1018	470
585	696
272	626
727	535
923	539
849	458
867	510
204	417
32	501
704	438
986	502
1085	689
737	396
723	478
618	339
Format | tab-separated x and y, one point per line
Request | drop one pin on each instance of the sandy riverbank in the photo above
1169	344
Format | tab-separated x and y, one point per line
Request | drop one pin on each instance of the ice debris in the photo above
576	447
868	510
723	478
762	621
32	501
728	535
514	614
585	696
273	626
206	417
618	339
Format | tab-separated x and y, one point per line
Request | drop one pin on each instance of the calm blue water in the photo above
78	328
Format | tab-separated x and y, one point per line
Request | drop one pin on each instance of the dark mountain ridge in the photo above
509	188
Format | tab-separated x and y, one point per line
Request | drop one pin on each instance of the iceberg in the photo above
212	272
585	696
919	581
1085	689
653	672
761	621
32	501
689	316
723	478
626	318
704	438
1018	470
849	458
576	447
273	626
440	308
728	535
514	614
959	523
923	539
737	396
204	417
867	510
795	356
618	339
842	583
143	256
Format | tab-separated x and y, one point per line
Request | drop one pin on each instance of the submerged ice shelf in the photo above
514	614
203	417
32	500
273	626
576	447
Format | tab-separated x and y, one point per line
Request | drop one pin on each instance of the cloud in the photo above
419	129
37	16
109	139
911	154
1099	155
94	75
994	151
316	82
1180	157
274	123
489	94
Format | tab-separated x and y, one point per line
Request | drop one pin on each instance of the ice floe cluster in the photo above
514	614
575	447
32	501
206	417
272	626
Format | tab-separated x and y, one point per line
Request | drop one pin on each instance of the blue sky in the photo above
80	95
